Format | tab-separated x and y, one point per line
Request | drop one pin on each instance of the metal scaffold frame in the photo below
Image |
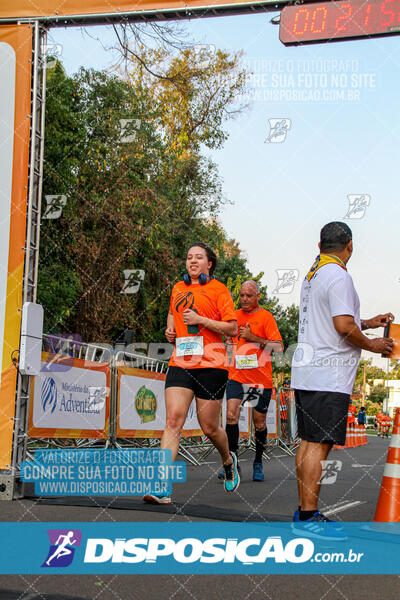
35	182
157	14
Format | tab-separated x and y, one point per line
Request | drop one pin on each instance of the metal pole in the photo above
35	76
386	400
43	40
364	383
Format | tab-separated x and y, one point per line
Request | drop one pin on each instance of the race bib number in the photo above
246	362
190	346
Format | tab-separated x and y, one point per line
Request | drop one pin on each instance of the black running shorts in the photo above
322	416
208	383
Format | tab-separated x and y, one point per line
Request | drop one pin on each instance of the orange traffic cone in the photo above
348	437
359	435
388	507
351	437
355	436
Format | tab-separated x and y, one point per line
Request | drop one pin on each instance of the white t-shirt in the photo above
324	360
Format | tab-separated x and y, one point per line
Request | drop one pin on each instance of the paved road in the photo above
352	497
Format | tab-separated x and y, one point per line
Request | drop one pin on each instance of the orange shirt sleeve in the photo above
271	329
225	305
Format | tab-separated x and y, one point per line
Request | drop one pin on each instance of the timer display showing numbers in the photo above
329	21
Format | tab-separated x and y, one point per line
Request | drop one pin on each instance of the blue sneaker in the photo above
258	474
232	477
156	499
320	527
335	524
221	474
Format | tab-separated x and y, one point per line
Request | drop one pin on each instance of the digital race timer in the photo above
333	20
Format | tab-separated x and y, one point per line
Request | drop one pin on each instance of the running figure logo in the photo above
52	52
62	547
286	280
357	206
133	279
330	470
128	130
278	129
55	205
252	395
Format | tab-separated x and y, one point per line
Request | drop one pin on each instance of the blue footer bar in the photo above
210	548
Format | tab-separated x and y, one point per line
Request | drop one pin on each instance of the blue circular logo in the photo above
49	394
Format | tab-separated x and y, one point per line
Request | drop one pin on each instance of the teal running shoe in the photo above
232	477
221	474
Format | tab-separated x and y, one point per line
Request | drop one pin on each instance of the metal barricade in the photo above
136	361
69	346
140	361
287	419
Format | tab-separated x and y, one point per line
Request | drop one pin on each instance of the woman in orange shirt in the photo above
201	312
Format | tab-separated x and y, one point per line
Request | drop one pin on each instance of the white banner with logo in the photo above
68	397
141	406
272	418
141	403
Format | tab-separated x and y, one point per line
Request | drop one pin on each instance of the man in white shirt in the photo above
325	363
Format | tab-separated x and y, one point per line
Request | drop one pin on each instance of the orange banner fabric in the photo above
49	8
15	75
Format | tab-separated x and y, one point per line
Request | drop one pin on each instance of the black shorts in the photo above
207	383
257	399
322	416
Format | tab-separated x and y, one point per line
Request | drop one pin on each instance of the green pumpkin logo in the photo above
146	404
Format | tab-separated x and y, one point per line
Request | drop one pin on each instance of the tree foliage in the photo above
129	157
371	373
394	372
378	393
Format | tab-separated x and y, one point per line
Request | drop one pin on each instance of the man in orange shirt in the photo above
379	420
386	423
250	374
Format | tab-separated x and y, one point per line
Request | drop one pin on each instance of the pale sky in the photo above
343	138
